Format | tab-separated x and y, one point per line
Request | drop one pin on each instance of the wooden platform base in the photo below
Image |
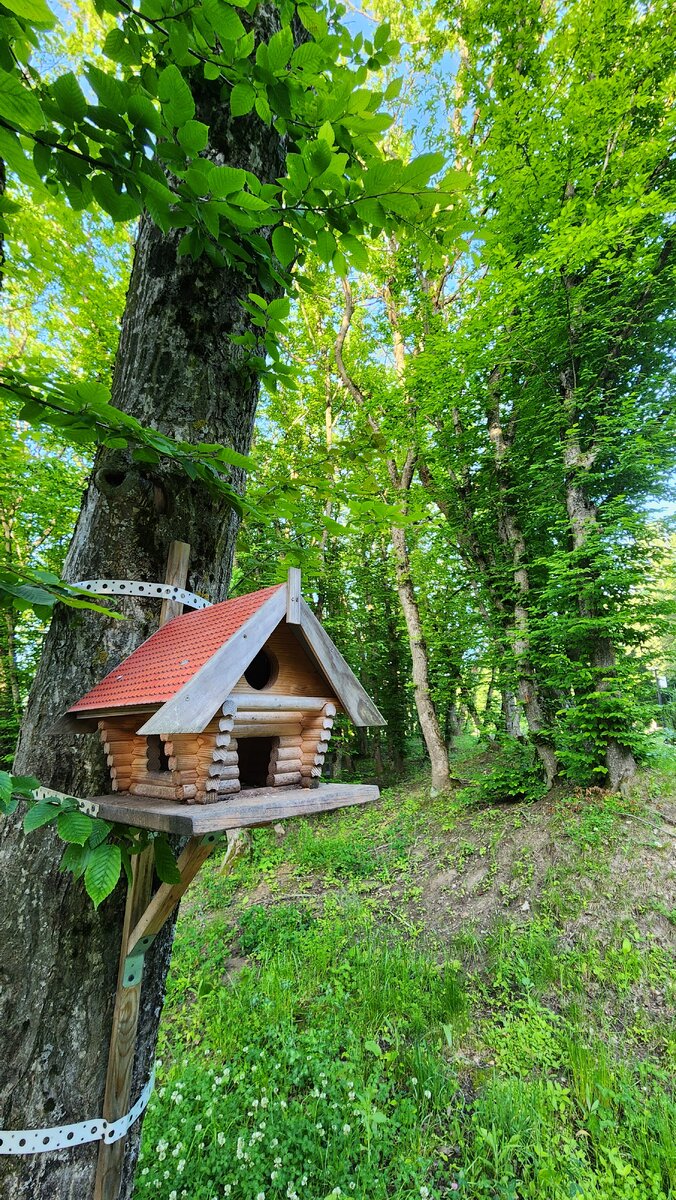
255	806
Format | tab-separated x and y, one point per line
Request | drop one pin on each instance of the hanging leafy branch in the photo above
96	851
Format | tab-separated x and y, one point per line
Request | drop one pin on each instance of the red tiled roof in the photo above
172	655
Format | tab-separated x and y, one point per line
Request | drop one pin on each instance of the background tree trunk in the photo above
429	721
178	371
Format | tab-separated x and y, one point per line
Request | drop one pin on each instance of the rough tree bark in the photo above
176	370
512	537
583	520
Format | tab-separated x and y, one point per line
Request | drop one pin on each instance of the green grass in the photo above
328	1032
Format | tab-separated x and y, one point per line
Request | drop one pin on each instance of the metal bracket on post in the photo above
133	963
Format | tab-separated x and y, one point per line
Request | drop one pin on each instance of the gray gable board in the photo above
357	703
192	707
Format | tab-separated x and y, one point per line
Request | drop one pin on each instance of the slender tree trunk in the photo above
429	722
177	370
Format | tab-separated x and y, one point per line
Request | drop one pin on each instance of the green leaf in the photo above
69	96
310	56
100	831
223	20
175	96
326	245
74	826
109	90
75	859
193	136
242	99
118	49
103	872
224	181
142	111
35	11
165	862
280	48
284	244
18	105
40	814
120	205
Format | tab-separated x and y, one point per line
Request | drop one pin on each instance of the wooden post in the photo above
293	597
177	576
127	1000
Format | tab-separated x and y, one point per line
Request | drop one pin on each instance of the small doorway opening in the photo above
157	760
254	755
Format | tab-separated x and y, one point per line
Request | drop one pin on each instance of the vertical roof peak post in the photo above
293	596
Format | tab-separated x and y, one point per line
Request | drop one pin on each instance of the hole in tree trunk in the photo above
254	760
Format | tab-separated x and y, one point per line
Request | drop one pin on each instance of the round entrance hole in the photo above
262	671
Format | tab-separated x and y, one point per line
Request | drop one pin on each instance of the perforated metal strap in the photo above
60	1137
152	591
86	806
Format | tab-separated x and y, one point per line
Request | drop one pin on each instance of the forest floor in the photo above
428	998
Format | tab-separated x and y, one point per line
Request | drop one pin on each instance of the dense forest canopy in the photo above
466	437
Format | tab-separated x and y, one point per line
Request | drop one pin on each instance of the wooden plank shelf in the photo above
253	806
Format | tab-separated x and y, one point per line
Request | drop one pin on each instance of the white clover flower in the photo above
347	1129
351	1095
413	1081
220	1138
161	1145
424	1192
274	1142
264	1102
227	1189
273	1175
173	1195
337	1191
240	1147
180	1166
283	1104
167	1175
427	1094
278	1163
352	1185
145	1171
260	1196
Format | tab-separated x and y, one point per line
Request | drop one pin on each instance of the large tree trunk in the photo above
512	537
429	722
583	517
178	371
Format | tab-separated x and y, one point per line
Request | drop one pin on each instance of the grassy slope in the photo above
427	999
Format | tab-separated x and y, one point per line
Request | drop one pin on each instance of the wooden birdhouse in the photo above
238	695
